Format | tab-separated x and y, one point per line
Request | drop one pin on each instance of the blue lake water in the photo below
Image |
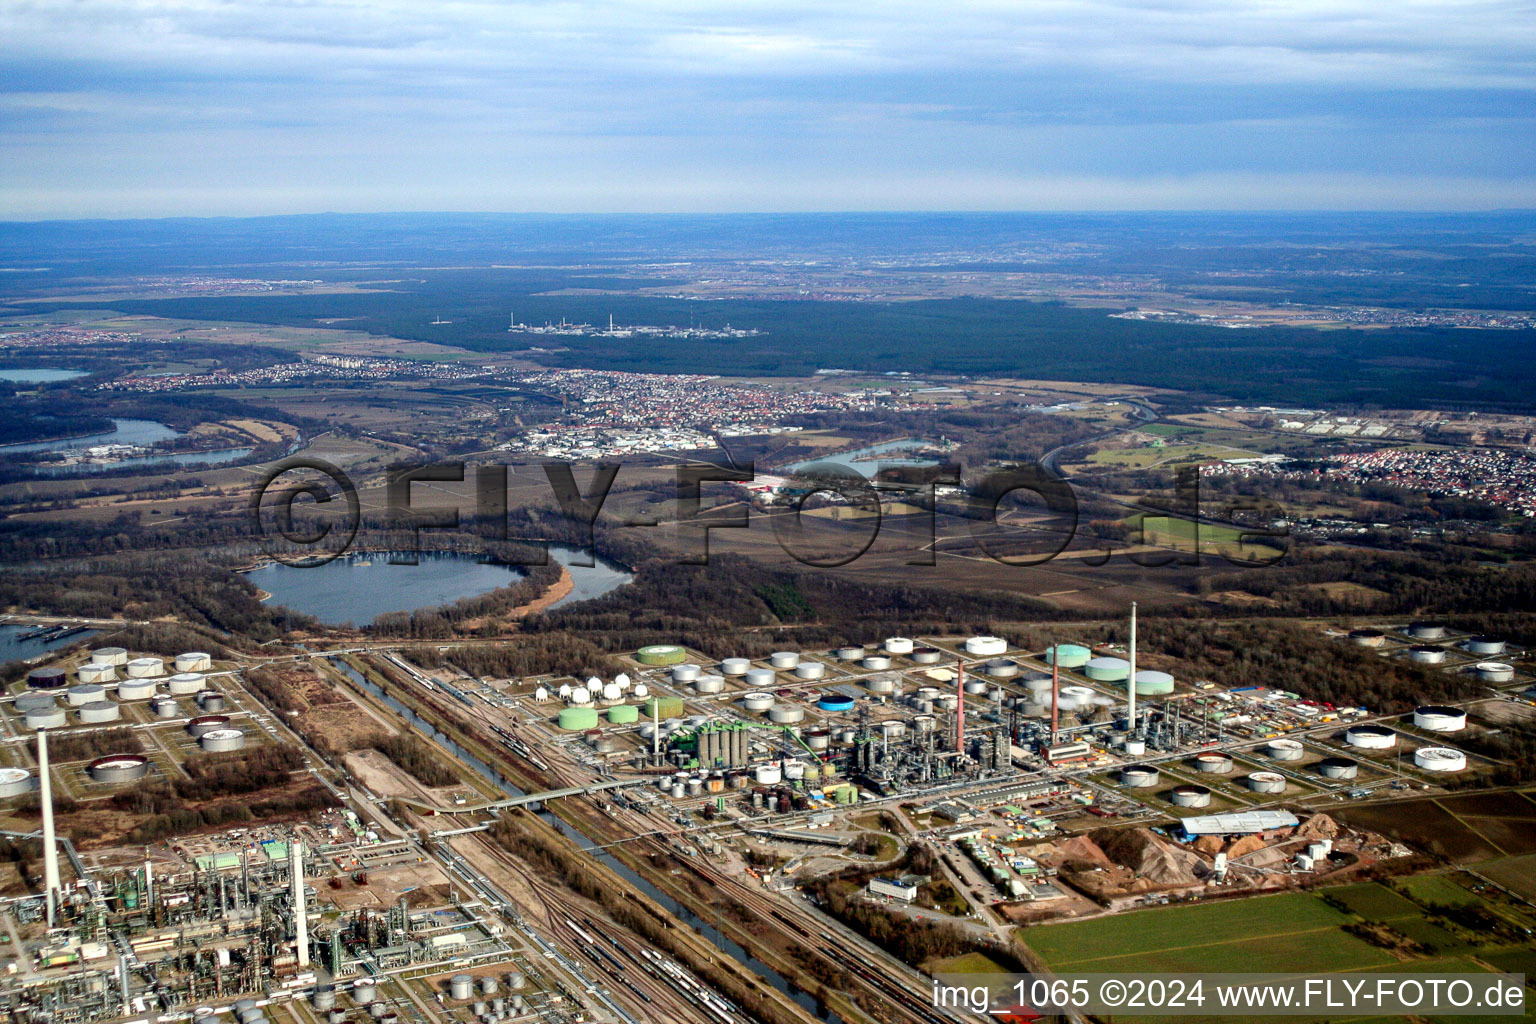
126	431
356	589
17	375
868	461
12	646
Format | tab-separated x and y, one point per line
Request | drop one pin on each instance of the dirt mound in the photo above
1081	852
1211	845
1149	857
1244	846
1319	826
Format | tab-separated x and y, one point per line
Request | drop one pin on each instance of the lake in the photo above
17	375
12	646
125	431
864	462
356	589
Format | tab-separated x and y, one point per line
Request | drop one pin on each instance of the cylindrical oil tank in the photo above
185	684
1339	767
757	701
877	662
884	685
110	655
926	655
364	992
28	702
251	1015
46	718
336	1017
1370	737
47	679
810	670
97	672
696	785
194	661
1135	747
461	986
1266	782
685	673
118	768
99	711
986	646
1428	630
145	668
761	677
897	645
1214	764
1191	796
1034	709
15	782
709	684
850	653
923	724
1439	759
488	985
624	714
1484	645
378	1009
1069	655
1440	718
975	687
218	741
1286	750
947	702
164	707
1152	683
768	775
85	693
323	997
1494	671
516	980
715	783
1426	654
995	694
678	790
136	689
210	701
818	739
1139	776
786	714
661	654
784	660
1002	668
207	723
893	729
1367	637
836	703
1107	669
735	666
577	719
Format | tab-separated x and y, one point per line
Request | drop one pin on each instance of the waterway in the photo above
868	461
124	432
41	375
356	589
13	647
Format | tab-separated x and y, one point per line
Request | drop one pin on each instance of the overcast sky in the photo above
237	107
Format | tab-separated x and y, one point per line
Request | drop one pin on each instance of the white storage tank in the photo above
210	701
1426	654
1439	759
784	660
1139	776
1135	747
685	673
97	672
986	646
185	684
762	677
1493	671
145	668
1370	737
15	782
1339	767
893	729
1483	646
735	666
206	723
612	693
165	707
877	662
768	775
136	689
194	661
883	685
810	670
1002	668
461	986
757	701
1213	764
898	645
100	711
786	714
1428	630
975	687
85	693
709	684
1367	637
926	655
850	653
1191	796
581	697
1286	750
1268	783
46	718
115	769
1440	718
110	655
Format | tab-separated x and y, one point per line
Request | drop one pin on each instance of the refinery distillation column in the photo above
53	891
1130	686
300	917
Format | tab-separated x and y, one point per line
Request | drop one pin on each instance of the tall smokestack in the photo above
149	883
300	917
655	730
53	889
1055	689
1130	685
960	707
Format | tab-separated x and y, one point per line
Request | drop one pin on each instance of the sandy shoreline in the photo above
560	588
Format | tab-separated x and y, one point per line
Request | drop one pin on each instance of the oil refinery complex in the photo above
397	901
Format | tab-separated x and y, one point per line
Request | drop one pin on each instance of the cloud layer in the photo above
202	106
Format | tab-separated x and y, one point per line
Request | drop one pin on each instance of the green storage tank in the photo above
624	714
663	707
577	719
1071	655
661	654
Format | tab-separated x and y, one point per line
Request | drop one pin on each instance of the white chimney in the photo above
53	889
300	917
1130	684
